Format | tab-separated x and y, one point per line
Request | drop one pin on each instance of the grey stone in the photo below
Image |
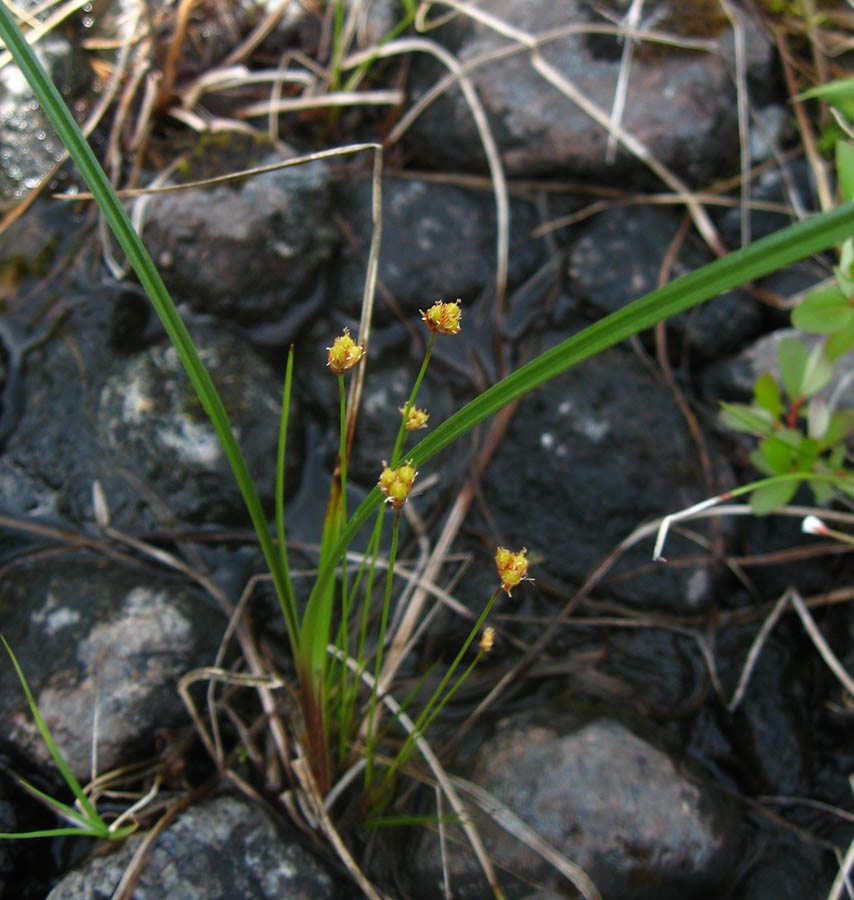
91	636
628	814
438	243
617	259
246	251
133	422
222	849
589	457
678	99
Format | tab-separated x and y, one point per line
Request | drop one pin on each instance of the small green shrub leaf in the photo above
824	311
839	344
807	454
804	372
817	373
840	424
777	455
818	418
822	492
749	419
792	359
767	394
772	496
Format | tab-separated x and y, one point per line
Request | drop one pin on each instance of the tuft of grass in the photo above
328	696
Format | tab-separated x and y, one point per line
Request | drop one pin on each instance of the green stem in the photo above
350	689
426	717
392	556
342	462
401	432
288	609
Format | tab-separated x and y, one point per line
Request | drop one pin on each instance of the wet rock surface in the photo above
421	220
587	451
640	243
637	823
102	649
219	849
652	787
539	130
272	231
102	406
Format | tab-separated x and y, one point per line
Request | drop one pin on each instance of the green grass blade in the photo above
80	151
48	832
63	810
89	810
740	267
289	609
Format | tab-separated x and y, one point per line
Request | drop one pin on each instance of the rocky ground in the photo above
617	748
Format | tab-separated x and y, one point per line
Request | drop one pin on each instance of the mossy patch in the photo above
221	153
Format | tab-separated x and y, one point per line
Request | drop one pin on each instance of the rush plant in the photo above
327	695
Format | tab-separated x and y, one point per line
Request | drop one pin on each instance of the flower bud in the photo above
443	317
344	353
416	419
512	567
397	483
487	639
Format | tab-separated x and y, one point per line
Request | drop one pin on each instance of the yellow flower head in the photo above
397	483
512	568
416	419
443	317
344	353
487	639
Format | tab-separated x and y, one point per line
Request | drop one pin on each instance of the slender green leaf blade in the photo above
130	242
58	758
776	251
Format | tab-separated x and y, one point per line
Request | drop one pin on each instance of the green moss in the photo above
223	152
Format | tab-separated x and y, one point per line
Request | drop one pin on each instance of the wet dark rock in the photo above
135	424
150	418
617	259
438	243
588	458
221	849
771	186
247	251
92	635
9	822
678	99
770	730
638	822
789	872
30	147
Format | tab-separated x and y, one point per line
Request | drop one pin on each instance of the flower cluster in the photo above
397	483
416	419
443	317
487	639
512	567
344	353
